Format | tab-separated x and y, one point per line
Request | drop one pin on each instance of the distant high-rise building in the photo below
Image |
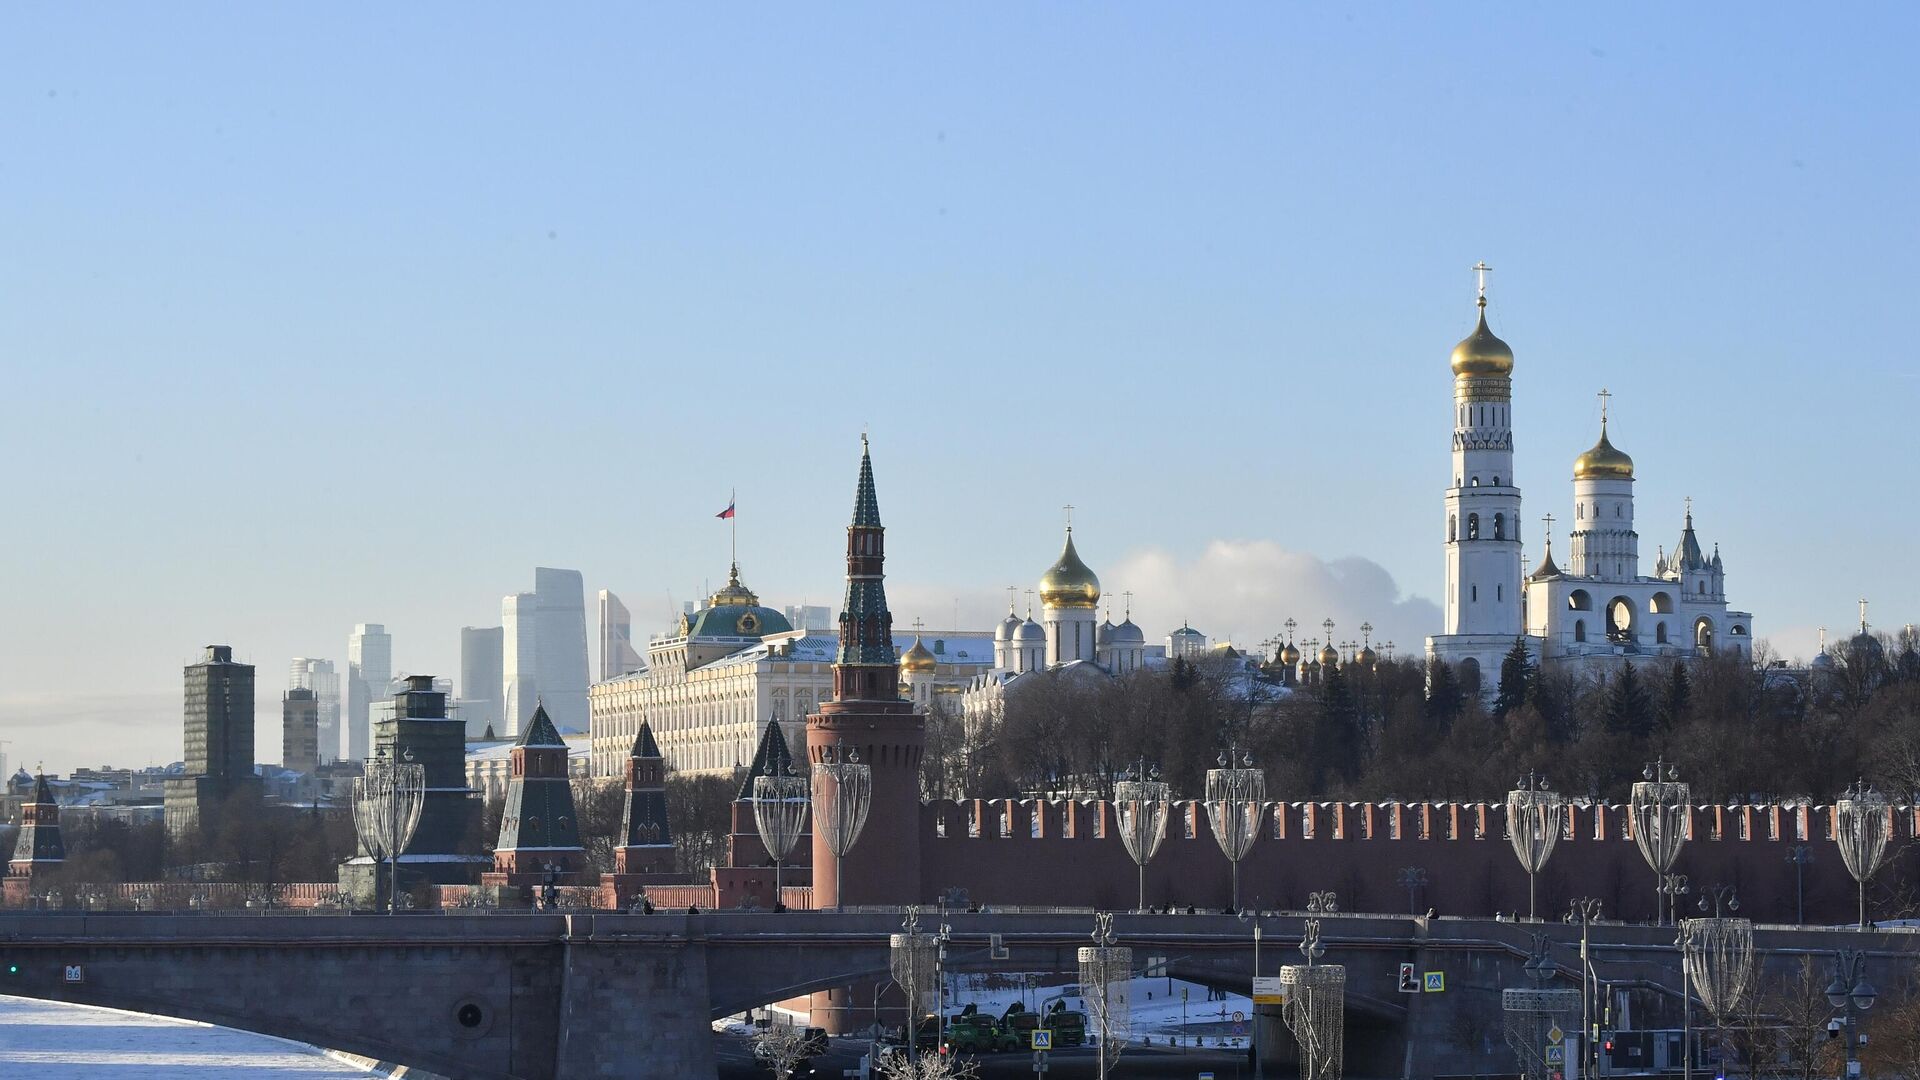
320	677
414	727
369	670
543	650
481	704
810	617
219	738
300	730
616	638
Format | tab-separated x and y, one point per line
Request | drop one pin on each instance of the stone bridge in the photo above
599	995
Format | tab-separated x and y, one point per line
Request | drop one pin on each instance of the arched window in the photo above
1620	615
1579	600
1470	675
1703	636
1499	526
1579	629
1473	526
1496	481
1451	522
1660	633
1476	481
1661	604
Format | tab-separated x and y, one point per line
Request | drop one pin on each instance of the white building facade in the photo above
1600	611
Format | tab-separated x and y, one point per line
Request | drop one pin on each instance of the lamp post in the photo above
1851	991
1412	879
1861	820
1236	803
1672	888
1141	804
912	961
780	806
1315	1009
1800	855
1102	965
1585	910
1659	809
1717	960
387	800
1259	1067
842	795
1536	814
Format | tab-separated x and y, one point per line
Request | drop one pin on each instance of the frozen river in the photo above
53	1041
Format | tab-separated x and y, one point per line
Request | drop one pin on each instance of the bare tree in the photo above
928	1067
782	1048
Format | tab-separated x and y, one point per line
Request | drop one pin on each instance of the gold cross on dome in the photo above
1604	395
1069	509
1480	272
1549	521
1863	614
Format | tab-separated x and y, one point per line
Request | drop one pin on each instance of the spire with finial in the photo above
866	667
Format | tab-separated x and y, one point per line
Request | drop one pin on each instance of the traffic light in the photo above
13	968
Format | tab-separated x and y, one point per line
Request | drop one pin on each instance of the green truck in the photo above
1069	1028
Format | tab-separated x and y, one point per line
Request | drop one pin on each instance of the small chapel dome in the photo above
1329	656
1104	634
1004	632
917	659
1069	583
1129	634
1603	462
1367	657
1289	655
1029	633
1480	353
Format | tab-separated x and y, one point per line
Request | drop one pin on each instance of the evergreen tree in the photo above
1516	679
1675	696
1629	709
1337	742
1444	699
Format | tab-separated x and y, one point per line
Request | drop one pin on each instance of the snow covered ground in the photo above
55	1041
1157	1008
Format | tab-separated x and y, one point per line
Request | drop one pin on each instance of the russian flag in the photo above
728	512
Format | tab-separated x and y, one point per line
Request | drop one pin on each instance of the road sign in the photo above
1436	981
1043	1038
1408	983
1555	1036
1039	1061
75	973
1238	1016
1205	1076
1267	990
1183	993
1556	1055
997	947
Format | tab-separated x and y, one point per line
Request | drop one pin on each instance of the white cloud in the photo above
1243	589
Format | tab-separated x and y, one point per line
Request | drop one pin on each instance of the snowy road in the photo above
54	1041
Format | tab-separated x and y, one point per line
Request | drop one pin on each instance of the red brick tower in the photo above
645	854
39	849
868	715
538	829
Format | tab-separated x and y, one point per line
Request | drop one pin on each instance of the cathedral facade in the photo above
1600	611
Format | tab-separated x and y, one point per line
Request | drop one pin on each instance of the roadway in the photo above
735	1059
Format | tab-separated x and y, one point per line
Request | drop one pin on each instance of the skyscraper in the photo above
369	671
300	730
320	677
480	703
617	656
219	738
544	650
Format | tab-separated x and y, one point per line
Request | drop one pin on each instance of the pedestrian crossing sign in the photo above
1042	1038
1436	982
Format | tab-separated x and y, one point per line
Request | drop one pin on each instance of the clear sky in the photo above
318	316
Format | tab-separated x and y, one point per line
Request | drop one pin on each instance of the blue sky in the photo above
357	314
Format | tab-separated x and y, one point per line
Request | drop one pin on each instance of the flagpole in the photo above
733	504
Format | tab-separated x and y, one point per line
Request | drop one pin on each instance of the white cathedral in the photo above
1600	611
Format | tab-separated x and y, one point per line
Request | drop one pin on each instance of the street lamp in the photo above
1673	887
1536	814
912	961
1585	910
1861	820
1236	803
1106	976
1717	960
1412	879
1659	809
842	794
1315	1009
1141	805
1801	856
387	800
780	806
1851	991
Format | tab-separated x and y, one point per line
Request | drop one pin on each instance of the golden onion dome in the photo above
1289	655
1480	353
1329	656
917	659
1367	657
1068	583
733	592
1603	462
